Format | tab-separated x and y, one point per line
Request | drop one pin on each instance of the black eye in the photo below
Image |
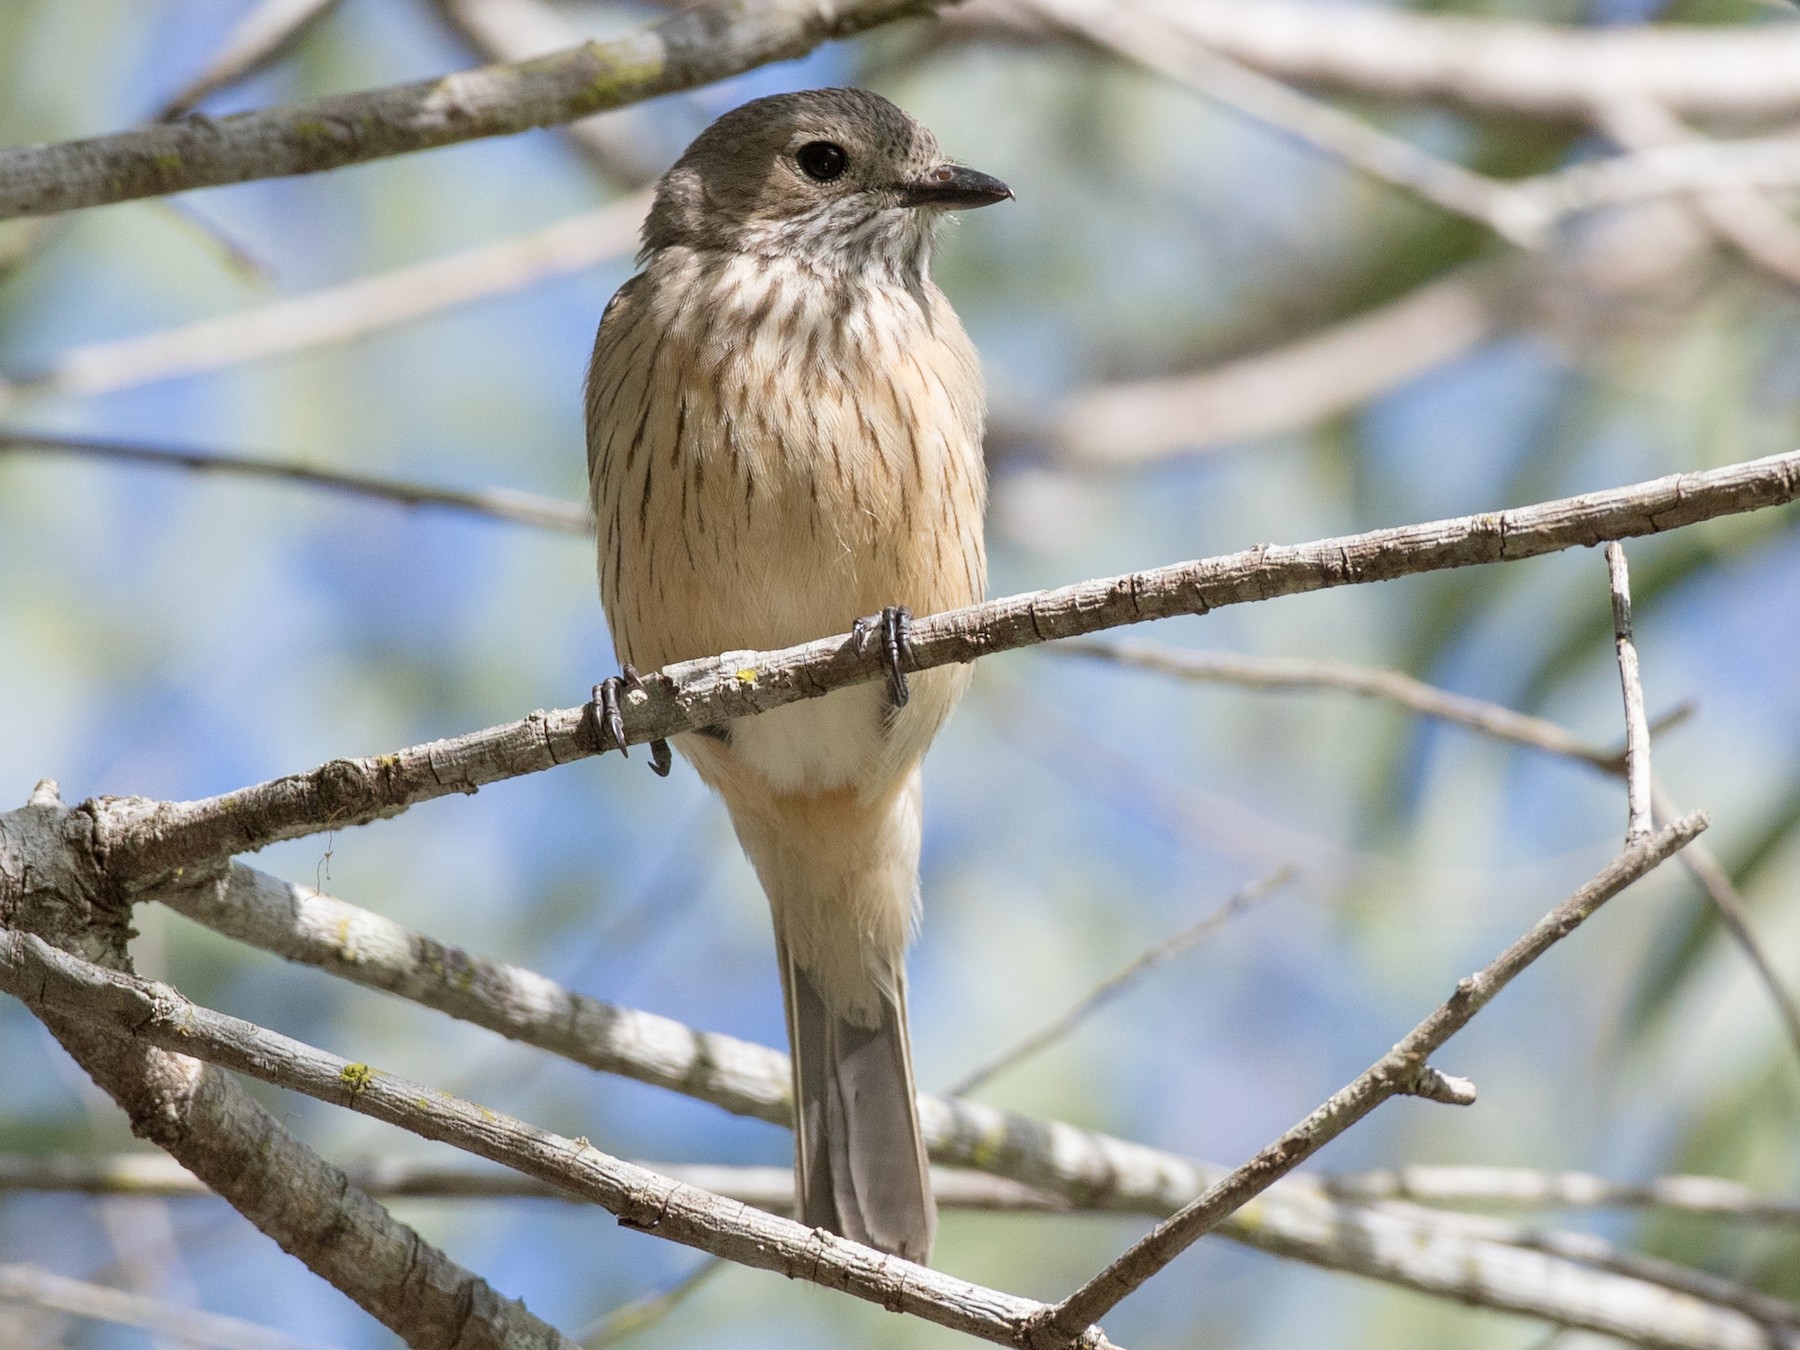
822	161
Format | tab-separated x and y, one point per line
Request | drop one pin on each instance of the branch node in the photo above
1438	1086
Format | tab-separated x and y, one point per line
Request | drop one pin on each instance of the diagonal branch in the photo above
1491	719
1404	1070
1497	66
1117	983
1296	1219
261	36
691	47
142	842
55	983
521	508
339	312
186	1326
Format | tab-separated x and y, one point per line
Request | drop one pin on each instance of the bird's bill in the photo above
955	187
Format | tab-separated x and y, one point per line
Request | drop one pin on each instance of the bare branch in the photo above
1749	221
1525	1187
517	30
643	1313
1134	32
521	508
1295	1219
1514	68
770	1188
1715	882
59	984
218	1131
691	47
1403	1070
1489	718
337	313
259	37
1299	384
1637	724
1117	983
189	1326
144	842
1266	672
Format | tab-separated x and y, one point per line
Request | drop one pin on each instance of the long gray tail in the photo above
860	1166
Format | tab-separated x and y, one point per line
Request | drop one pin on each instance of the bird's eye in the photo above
822	161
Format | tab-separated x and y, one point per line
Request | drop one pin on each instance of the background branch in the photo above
338	313
692	47
1486	65
509	504
188	1326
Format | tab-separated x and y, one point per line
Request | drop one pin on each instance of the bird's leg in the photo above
895	623
612	721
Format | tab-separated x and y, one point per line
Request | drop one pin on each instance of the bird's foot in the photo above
895	623
612	720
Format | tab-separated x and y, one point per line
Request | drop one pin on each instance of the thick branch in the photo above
1398	1244
692	47
55	983
142	842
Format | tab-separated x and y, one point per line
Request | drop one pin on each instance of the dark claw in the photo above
607	714
660	759
606	706
896	645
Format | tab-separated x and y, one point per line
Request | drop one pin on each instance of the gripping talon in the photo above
896	644
606	701
607	714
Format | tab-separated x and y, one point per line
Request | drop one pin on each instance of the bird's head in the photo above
838	176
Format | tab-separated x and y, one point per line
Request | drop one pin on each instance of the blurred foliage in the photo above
177	636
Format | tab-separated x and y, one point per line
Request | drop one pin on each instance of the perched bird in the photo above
784	424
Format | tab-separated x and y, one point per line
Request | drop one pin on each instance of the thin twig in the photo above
521	508
517	30
54	982
258	38
1491	719
643	1313
1404	1070
1716	883
1637	725
338	313
692	47
1749	221
187	1326
1274	672
1135	33
145	842
770	1188
1110	988
1521	1187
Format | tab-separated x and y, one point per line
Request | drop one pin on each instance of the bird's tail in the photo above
859	1158
841	873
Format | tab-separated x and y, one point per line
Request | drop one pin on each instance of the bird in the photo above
784	429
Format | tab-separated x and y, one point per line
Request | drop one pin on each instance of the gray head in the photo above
841	176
